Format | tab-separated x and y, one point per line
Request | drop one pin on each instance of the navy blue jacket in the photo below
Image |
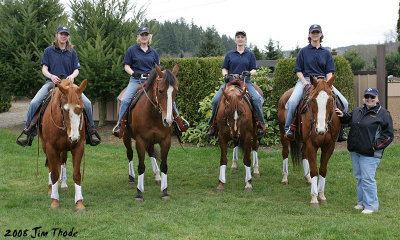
371	130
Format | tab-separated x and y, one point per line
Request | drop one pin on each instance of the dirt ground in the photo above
15	120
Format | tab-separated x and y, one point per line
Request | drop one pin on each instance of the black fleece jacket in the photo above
371	130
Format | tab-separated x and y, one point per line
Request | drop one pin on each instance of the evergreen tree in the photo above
356	62
210	46
295	51
103	33
257	53
26	29
273	52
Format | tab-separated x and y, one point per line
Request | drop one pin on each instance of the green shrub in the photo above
198	77
5	100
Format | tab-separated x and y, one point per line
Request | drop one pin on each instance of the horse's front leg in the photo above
77	153
311	155
53	158
256	171
247	164
141	151
285	156
306	165
165	146
223	145
63	171
326	153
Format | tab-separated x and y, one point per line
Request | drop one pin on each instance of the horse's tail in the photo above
295	152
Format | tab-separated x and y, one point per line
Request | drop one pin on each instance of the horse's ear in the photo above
82	86
63	89
158	70
332	79
313	80
175	69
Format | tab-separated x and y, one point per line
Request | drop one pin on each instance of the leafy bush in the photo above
5	100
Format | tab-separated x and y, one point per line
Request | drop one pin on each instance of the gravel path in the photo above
16	115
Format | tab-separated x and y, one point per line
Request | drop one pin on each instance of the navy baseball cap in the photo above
371	91
143	30
240	32
62	29
315	27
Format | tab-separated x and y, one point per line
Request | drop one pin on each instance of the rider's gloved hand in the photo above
246	73
227	78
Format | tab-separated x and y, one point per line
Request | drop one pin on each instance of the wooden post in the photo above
381	75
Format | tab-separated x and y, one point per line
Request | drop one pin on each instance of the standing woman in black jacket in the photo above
371	132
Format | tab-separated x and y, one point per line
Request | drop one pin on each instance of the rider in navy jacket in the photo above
371	130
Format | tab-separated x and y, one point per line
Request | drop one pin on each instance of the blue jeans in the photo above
131	89
40	96
364	169
296	96
257	100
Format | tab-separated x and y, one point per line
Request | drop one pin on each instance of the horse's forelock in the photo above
170	78
322	85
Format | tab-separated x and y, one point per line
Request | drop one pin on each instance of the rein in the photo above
51	113
156	106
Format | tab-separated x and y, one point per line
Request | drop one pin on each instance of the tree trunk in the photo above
102	113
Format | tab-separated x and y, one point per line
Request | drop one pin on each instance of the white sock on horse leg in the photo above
321	184
78	193
222	169
50	182
285	166
314	186
306	167
164	183
131	170
248	173
54	191
255	158
154	165
235	153
63	173
140	184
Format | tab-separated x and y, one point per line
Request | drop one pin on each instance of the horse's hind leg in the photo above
247	165
326	153
129	154
165	146
222	164
306	165
53	158
153	158
141	151
285	155
256	172
63	172
235	158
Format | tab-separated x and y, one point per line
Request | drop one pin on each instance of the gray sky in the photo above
344	22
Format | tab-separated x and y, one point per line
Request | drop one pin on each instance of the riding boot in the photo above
342	134
92	137
211	130
260	129
27	139
116	130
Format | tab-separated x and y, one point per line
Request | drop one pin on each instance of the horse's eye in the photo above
160	91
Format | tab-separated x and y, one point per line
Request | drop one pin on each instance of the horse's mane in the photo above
234	102
169	79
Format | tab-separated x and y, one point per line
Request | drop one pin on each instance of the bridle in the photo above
157	104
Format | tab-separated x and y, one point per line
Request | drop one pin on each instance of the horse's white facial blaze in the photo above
235	117
169	105
322	100
66	107
75	120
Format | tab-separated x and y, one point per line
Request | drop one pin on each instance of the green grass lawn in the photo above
195	211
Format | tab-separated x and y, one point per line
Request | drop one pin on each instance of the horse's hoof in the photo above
158	182
64	189
314	205
256	175
54	204
166	197
137	199
233	169
284	183
79	206
322	201
248	189
220	190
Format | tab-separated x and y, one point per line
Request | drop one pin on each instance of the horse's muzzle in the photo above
321	132
73	140
166	123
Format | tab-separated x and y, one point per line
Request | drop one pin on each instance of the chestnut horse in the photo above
63	130
319	128
151	123
234	121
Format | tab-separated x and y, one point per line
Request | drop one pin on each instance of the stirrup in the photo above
116	130
25	142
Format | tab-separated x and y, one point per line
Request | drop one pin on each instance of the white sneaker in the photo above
358	207
367	211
